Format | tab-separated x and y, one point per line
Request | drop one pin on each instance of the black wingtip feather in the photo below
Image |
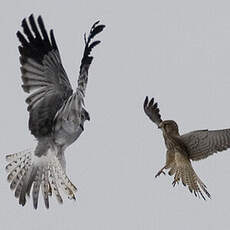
22	39
95	29
146	101
27	30
43	29
35	42
53	41
151	102
94	25
31	16
152	111
34	27
92	45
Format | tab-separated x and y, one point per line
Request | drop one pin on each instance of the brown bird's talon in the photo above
176	181
159	173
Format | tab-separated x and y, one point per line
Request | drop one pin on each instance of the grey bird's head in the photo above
169	127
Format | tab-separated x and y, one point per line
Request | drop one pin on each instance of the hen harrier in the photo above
181	149
56	114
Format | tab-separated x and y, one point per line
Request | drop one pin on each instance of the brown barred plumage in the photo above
181	149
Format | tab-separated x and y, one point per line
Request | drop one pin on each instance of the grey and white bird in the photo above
56	113
181	149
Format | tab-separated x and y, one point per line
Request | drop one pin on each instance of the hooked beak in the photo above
88	117
82	127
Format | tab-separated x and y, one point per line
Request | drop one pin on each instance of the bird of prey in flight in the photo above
181	149
56	113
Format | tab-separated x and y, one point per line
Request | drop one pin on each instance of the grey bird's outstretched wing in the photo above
152	111
43	76
87	59
73	109
202	143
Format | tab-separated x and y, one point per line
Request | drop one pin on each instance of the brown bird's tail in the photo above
183	170
26	171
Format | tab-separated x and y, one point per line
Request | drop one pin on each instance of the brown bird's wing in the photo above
185	173
43	76
203	143
152	111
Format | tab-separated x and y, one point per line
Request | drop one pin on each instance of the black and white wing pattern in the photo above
56	114
87	58
201	144
152	111
72	113
43	76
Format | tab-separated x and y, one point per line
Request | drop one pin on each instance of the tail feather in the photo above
36	188
25	179
16	159
190	178
16	156
21	182
45	187
63	180
31	180
186	173
54	186
19	176
64	176
18	188
18	170
27	171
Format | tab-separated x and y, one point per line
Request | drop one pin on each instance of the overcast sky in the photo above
175	51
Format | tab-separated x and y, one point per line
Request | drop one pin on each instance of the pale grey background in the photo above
176	51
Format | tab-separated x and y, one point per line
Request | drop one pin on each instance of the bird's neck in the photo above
170	140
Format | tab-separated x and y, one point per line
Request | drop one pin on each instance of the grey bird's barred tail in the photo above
27	171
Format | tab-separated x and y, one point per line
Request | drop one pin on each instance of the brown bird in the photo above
181	149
